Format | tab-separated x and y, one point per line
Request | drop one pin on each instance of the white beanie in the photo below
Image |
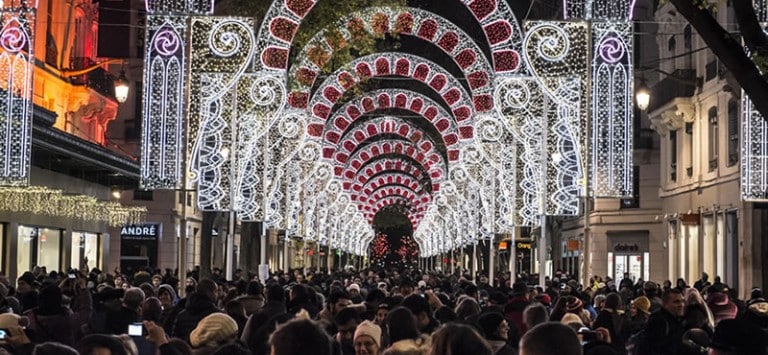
370	329
213	329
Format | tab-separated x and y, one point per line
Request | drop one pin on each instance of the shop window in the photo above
38	247
85	251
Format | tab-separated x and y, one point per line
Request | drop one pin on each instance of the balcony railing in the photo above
98	79
679	83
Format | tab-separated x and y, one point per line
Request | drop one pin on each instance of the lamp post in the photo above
121	87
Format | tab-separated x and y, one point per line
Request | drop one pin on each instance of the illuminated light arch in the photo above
371	212
428	26
369	183
392	190
437	168
386	125
381	166
284	18
417	195
453	132
390	64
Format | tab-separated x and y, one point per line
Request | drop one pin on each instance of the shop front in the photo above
628	252
38	246
139	246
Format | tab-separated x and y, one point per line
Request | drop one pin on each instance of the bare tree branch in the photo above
729	50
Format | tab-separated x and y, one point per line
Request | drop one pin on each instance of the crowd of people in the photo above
369	312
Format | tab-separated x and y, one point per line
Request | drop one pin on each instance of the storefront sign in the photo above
573	245
523	245
140	232
502	245
691	219
621	247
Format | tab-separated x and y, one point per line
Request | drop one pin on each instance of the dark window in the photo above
143	195
714	144
689	144
114	28
673	155
733	132
687	38
672	44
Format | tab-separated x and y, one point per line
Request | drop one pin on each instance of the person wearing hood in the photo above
168	299
50	321
200	304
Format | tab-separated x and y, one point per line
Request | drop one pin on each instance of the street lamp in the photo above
121	87
643	96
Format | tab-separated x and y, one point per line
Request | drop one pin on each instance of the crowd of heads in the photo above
371	312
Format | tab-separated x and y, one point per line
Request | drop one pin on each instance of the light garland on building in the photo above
17	62
50	202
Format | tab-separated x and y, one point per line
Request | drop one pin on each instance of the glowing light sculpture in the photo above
376	21
754	151
523	105
17	63
556	53
612	110
165	92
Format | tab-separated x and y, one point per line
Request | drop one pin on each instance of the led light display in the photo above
17	63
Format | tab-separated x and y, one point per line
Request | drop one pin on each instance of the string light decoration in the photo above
366	152
612	114
556	53
400	167
17	63
43	201
599	9
523	107
389	64
165	76
379	249
453	132
199	7
754	154
377	21
408	251
754	151
278	29
383	125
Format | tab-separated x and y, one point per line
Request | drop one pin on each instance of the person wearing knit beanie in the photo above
574	305
367	338
213	330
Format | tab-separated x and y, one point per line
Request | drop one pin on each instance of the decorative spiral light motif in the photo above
611	50
265	91
167	42
553	42
226	38
490	129
13	39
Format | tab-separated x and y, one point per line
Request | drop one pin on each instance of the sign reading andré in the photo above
140	232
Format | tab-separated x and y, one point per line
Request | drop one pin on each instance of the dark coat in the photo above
197	308
664	332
